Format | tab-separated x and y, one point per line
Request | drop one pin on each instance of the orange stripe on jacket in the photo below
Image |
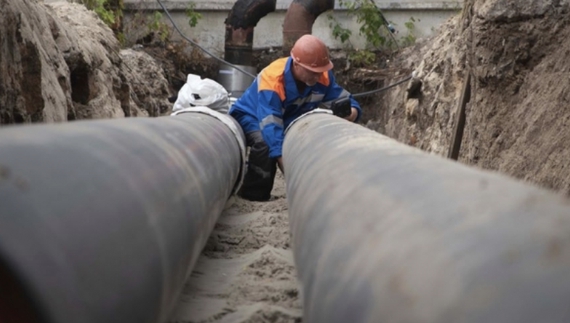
272	78
325	79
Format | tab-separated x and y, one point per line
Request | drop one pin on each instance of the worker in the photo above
284	90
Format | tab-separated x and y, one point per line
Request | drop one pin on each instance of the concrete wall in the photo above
428	15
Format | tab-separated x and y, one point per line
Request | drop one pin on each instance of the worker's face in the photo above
308	77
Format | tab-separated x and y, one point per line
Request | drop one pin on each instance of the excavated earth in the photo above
59	63
517	121
246	273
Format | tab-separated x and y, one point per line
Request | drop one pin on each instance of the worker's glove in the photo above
342	107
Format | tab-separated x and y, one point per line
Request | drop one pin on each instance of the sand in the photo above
246	272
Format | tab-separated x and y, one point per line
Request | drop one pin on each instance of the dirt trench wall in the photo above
30	89
59	62
518	119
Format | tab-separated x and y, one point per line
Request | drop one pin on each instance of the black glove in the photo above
341	107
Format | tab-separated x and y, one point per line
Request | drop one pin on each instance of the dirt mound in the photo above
60	62
517	119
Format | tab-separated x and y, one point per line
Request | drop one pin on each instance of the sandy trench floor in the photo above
246	272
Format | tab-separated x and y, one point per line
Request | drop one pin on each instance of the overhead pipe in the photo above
383	232
102	221
238	46
241	20
300	18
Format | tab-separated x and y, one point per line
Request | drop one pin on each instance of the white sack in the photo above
202	92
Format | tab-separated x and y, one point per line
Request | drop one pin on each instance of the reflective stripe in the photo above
300	101
269	120
327	104
343	94
315	97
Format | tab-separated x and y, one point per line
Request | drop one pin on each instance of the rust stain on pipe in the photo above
238	47
240	23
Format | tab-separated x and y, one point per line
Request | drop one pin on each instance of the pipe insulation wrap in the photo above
383	232
234	127
102	221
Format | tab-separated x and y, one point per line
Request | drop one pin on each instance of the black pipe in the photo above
240	24
102	221
383	232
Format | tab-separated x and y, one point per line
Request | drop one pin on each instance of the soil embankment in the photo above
517	121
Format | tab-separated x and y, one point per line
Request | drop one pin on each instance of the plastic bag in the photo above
202	92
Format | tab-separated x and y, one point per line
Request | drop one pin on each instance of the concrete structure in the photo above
427	16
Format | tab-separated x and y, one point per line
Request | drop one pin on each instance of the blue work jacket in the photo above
273	101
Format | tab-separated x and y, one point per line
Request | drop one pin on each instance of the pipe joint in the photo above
234	127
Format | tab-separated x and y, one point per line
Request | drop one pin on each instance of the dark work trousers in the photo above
261	169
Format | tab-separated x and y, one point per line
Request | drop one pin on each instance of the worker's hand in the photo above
353	115
280	164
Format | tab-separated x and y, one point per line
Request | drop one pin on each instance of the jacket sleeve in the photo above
335	91
270	118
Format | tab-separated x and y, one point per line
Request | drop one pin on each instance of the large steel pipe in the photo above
240	24
102	221
383	232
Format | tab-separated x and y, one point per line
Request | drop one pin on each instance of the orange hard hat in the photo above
311	53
